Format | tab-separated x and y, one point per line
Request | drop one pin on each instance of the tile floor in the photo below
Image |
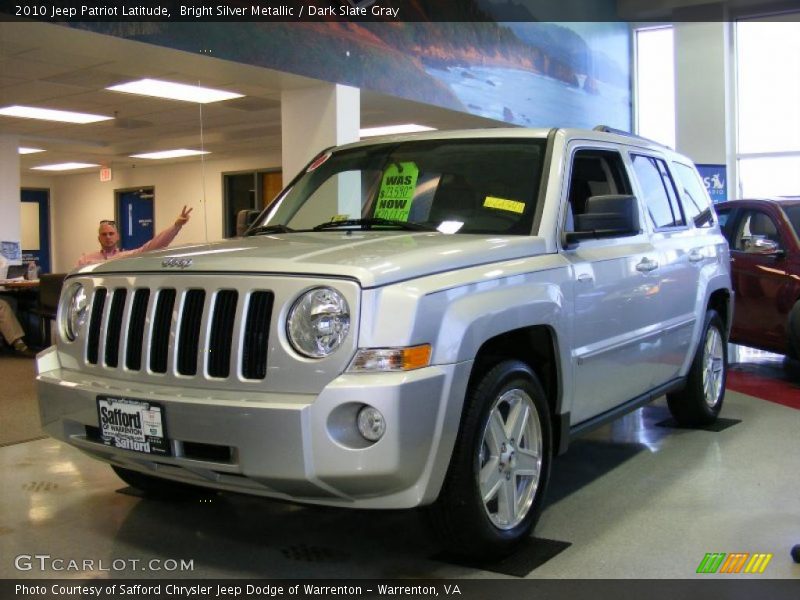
634	500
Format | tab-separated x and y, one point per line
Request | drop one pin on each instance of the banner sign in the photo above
716	180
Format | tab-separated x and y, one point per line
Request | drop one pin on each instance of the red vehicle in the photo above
764	237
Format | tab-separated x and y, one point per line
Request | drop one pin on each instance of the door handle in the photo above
695	255
585	278
646	265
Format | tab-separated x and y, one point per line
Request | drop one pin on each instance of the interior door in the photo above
35	225
135	217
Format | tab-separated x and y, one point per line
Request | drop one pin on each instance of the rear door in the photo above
679	257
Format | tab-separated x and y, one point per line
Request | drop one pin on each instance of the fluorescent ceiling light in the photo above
49	114
392	129
23	150
169	154
173	91
65	166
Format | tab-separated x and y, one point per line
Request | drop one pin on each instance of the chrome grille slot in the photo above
133	353
162	321
256	335
189	337
114	327
95	323
221	339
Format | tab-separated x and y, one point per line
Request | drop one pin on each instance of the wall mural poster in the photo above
716	182
521	70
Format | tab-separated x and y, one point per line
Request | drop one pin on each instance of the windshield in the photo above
453	186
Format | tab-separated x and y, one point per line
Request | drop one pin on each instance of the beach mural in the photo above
516	68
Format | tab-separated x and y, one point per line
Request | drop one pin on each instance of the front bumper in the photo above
298	447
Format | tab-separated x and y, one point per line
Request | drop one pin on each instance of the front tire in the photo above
495	486
700	402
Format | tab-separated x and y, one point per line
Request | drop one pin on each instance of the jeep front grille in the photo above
151	326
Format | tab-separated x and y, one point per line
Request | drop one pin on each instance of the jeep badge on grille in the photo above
180	263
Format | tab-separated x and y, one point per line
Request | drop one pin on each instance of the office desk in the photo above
15	285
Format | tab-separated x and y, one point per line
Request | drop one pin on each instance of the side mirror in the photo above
610	215
763	246
245	218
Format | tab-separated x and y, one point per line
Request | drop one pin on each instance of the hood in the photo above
374	258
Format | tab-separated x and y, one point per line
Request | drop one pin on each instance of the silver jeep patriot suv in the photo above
415	321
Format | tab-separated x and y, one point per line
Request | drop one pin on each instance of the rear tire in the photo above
495	486
155	487
700	402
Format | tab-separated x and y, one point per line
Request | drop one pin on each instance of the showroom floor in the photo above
636	499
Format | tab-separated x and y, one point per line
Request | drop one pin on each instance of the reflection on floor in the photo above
766	376
634	500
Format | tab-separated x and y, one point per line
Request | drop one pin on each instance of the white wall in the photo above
702	84
78	202
9	190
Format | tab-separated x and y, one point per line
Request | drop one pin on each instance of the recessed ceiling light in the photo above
23	150
173	91
49	114
169	154
392	129
64	166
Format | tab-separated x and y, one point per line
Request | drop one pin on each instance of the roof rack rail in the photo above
607	129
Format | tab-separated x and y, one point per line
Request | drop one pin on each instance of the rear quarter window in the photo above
696	203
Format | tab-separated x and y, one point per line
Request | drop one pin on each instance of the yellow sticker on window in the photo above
503	204
397	191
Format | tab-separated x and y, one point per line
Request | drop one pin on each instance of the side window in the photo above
754	225
593	173
696	202
723	217
659	192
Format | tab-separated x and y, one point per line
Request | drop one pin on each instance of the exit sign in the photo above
105	173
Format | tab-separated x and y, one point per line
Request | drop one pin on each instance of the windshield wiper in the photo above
264	229
374	222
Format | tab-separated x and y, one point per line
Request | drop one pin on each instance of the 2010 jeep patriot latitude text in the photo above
414	321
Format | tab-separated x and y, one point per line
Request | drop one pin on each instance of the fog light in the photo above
371	424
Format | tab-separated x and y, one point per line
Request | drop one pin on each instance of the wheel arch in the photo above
536	346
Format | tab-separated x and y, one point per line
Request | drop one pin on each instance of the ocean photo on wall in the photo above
499	59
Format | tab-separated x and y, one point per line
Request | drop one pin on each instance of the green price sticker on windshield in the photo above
397	191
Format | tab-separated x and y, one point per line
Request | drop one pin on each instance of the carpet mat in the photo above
19	409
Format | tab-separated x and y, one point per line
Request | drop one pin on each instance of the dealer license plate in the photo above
133	425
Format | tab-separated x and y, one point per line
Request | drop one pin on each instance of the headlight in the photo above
318	322
76	305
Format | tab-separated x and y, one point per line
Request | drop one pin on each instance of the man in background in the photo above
108	236
10	328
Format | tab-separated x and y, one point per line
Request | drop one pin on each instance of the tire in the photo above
502	454
793	332
155	487
700	401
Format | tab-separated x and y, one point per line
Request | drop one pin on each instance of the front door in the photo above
35	225
616	295
135	217
762	283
